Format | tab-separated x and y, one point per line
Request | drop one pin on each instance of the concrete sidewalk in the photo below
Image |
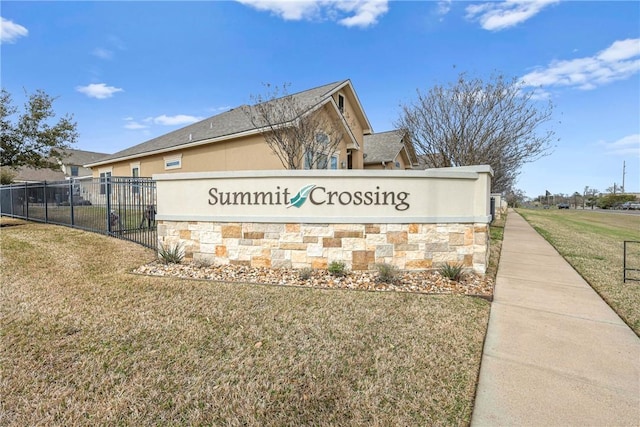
555	353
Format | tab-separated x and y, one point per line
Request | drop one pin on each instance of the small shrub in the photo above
7	176
386	272
451	271
337	268
171	254
305	273
202	263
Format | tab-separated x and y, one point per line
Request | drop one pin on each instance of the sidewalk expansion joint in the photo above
560	373
619	323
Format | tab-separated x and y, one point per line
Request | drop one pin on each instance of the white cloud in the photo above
288	10
163	120
133	125
444	6
626	146
98	90
621	50
619	61
219	109
366	13
179	119
113	44
102	53
10	31
361	13
496	16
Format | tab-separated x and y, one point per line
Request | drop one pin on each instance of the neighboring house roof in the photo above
386	146
27	174
72	158
81	157
231	124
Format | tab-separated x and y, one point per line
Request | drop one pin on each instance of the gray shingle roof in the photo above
73	157
81	157
27	174
382	147
234	121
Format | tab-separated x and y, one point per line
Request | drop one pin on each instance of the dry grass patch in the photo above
592	242
82	341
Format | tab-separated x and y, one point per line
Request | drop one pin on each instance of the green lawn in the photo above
84	342
592	242
90	217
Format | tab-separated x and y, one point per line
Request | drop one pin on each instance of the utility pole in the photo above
624	166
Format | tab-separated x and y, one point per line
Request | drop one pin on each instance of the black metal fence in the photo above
120	207
631	261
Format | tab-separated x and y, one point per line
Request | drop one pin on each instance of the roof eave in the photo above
174	148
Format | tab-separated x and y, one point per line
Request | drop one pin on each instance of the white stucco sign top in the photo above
434	195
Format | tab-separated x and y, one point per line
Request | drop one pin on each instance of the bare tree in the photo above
515	197
614	189
299	129
472	122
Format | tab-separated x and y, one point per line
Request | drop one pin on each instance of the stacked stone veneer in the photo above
360	246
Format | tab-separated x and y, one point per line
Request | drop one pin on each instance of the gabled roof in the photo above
81	157
231	124
386	146
28	174
71	157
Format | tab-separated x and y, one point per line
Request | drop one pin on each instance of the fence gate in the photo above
631	261
122	207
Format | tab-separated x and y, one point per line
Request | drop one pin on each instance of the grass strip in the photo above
592	242
82	341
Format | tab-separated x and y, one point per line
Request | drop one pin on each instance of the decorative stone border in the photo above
360	246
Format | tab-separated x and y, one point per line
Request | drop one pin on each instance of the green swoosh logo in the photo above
299	199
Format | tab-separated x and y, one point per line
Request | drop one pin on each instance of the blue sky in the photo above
130	71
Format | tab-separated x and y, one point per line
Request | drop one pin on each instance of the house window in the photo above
322	161
341	103
135	169
322	138
74	170
104	181
135	173
173	162
334	162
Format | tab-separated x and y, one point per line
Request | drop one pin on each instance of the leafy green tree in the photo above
29	138
474	121
609	201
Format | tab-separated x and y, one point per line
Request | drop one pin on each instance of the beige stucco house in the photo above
230	142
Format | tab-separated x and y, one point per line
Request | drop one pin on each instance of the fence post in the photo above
108	204
11	199
46	205
26	202
71	200
624	262
492	208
